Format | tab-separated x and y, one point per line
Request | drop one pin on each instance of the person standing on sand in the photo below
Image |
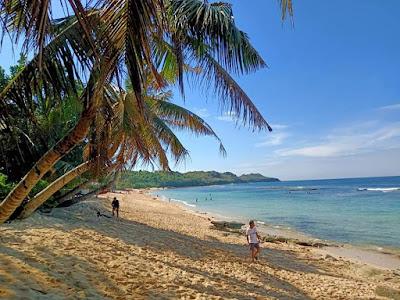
115	206
253	239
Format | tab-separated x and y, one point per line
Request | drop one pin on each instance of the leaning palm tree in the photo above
132	139
49	75
119	36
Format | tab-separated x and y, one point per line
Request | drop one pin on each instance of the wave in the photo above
384	190
288	188
302	188
183	202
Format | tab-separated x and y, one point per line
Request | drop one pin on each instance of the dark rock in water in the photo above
312	244
275	239
280	239
227	225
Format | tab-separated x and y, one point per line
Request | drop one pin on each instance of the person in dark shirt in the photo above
115	206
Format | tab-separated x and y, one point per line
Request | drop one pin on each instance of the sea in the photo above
357	211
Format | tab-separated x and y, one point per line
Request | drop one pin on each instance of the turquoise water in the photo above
362	211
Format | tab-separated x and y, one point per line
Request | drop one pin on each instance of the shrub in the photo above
5	187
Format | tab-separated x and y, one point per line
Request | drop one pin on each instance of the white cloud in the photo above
279	126
314	151
390	107
228	116
363	148
201	112
276	137
350	141
273	139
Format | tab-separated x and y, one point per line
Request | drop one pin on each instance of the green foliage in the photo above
26	137
3	78
41	185
56	121
5	187
145	179
21	63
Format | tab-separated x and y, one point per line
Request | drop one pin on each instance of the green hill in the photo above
256	177
145	179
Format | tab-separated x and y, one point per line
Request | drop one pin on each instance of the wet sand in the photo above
158	250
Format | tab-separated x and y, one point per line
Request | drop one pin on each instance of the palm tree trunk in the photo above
76	200
69	195
22	189
55	186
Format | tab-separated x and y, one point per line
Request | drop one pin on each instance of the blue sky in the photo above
331	93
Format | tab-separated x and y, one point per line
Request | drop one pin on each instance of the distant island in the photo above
146	179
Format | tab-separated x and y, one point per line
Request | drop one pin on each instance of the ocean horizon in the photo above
358	211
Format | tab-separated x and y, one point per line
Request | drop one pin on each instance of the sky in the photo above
331	93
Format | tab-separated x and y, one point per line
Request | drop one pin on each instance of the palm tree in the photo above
122	35
131	139
49	75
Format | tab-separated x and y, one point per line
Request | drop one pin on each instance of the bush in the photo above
5	187
41	185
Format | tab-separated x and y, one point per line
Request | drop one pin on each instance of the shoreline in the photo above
387	258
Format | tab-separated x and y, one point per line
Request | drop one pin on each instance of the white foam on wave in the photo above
384	190
168	199
261	222
163	198
183	202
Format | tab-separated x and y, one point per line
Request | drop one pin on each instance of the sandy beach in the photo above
159	250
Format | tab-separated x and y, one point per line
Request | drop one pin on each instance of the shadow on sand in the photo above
187	260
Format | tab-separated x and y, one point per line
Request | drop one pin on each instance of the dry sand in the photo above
157	250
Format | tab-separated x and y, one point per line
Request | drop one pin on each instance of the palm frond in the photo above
212	24
233	97
132	129
170	140
27	18
172	61
286	8
182	119
127	25
58	76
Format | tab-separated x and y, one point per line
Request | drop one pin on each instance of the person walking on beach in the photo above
115	206
253	239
